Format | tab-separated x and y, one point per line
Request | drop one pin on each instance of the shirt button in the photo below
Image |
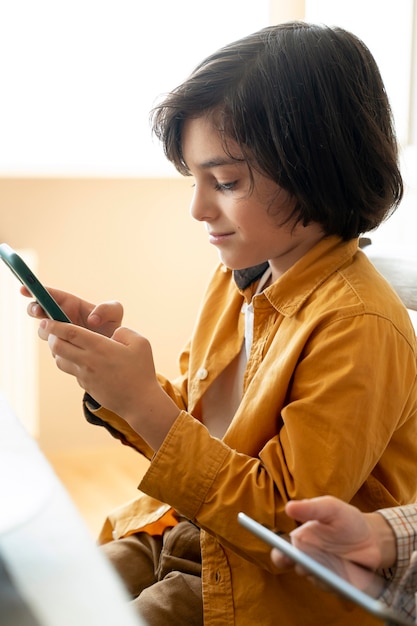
224	269
202	373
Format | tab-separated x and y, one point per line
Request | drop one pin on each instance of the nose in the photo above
202	208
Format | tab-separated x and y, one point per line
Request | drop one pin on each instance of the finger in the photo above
65	356
25	291
106	317
77	352
35	310
69	333
43	330
64	350
128	337
281	560
319	584
321	509
137	344
52	341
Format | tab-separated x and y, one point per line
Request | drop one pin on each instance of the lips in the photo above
217	238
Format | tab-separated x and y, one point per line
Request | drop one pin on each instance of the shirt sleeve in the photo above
401	590
295	440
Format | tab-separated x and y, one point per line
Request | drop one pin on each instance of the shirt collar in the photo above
289	292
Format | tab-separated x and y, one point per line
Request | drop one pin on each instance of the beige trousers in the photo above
162	574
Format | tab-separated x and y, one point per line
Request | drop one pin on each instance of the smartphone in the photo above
329	570
27	278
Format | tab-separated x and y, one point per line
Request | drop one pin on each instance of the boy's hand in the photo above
118	372
103	318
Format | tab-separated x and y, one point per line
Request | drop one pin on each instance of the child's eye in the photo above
226	186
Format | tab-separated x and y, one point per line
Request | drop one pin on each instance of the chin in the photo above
243	265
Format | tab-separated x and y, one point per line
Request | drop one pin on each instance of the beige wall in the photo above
126	239
286	10
129	240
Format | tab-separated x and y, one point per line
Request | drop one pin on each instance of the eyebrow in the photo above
219	162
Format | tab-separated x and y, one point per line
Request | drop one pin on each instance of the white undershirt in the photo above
222	398
248	311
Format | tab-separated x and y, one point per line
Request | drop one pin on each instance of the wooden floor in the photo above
98	480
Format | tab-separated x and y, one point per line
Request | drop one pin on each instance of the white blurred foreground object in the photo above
51	572
18	349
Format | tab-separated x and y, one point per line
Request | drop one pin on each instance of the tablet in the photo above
332	577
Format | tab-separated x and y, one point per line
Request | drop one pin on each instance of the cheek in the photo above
279	203
247	222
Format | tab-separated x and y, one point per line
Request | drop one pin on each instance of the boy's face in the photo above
244	219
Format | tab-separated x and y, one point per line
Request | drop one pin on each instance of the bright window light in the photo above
79	78
385	26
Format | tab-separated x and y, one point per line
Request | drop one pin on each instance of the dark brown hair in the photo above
306	104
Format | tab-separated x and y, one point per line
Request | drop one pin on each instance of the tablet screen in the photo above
334	572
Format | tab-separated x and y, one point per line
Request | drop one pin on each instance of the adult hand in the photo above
337	528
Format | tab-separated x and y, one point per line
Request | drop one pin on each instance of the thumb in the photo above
139	349
125	336
321	509
131	339
106	317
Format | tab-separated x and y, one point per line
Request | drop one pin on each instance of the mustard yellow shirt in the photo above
329	407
